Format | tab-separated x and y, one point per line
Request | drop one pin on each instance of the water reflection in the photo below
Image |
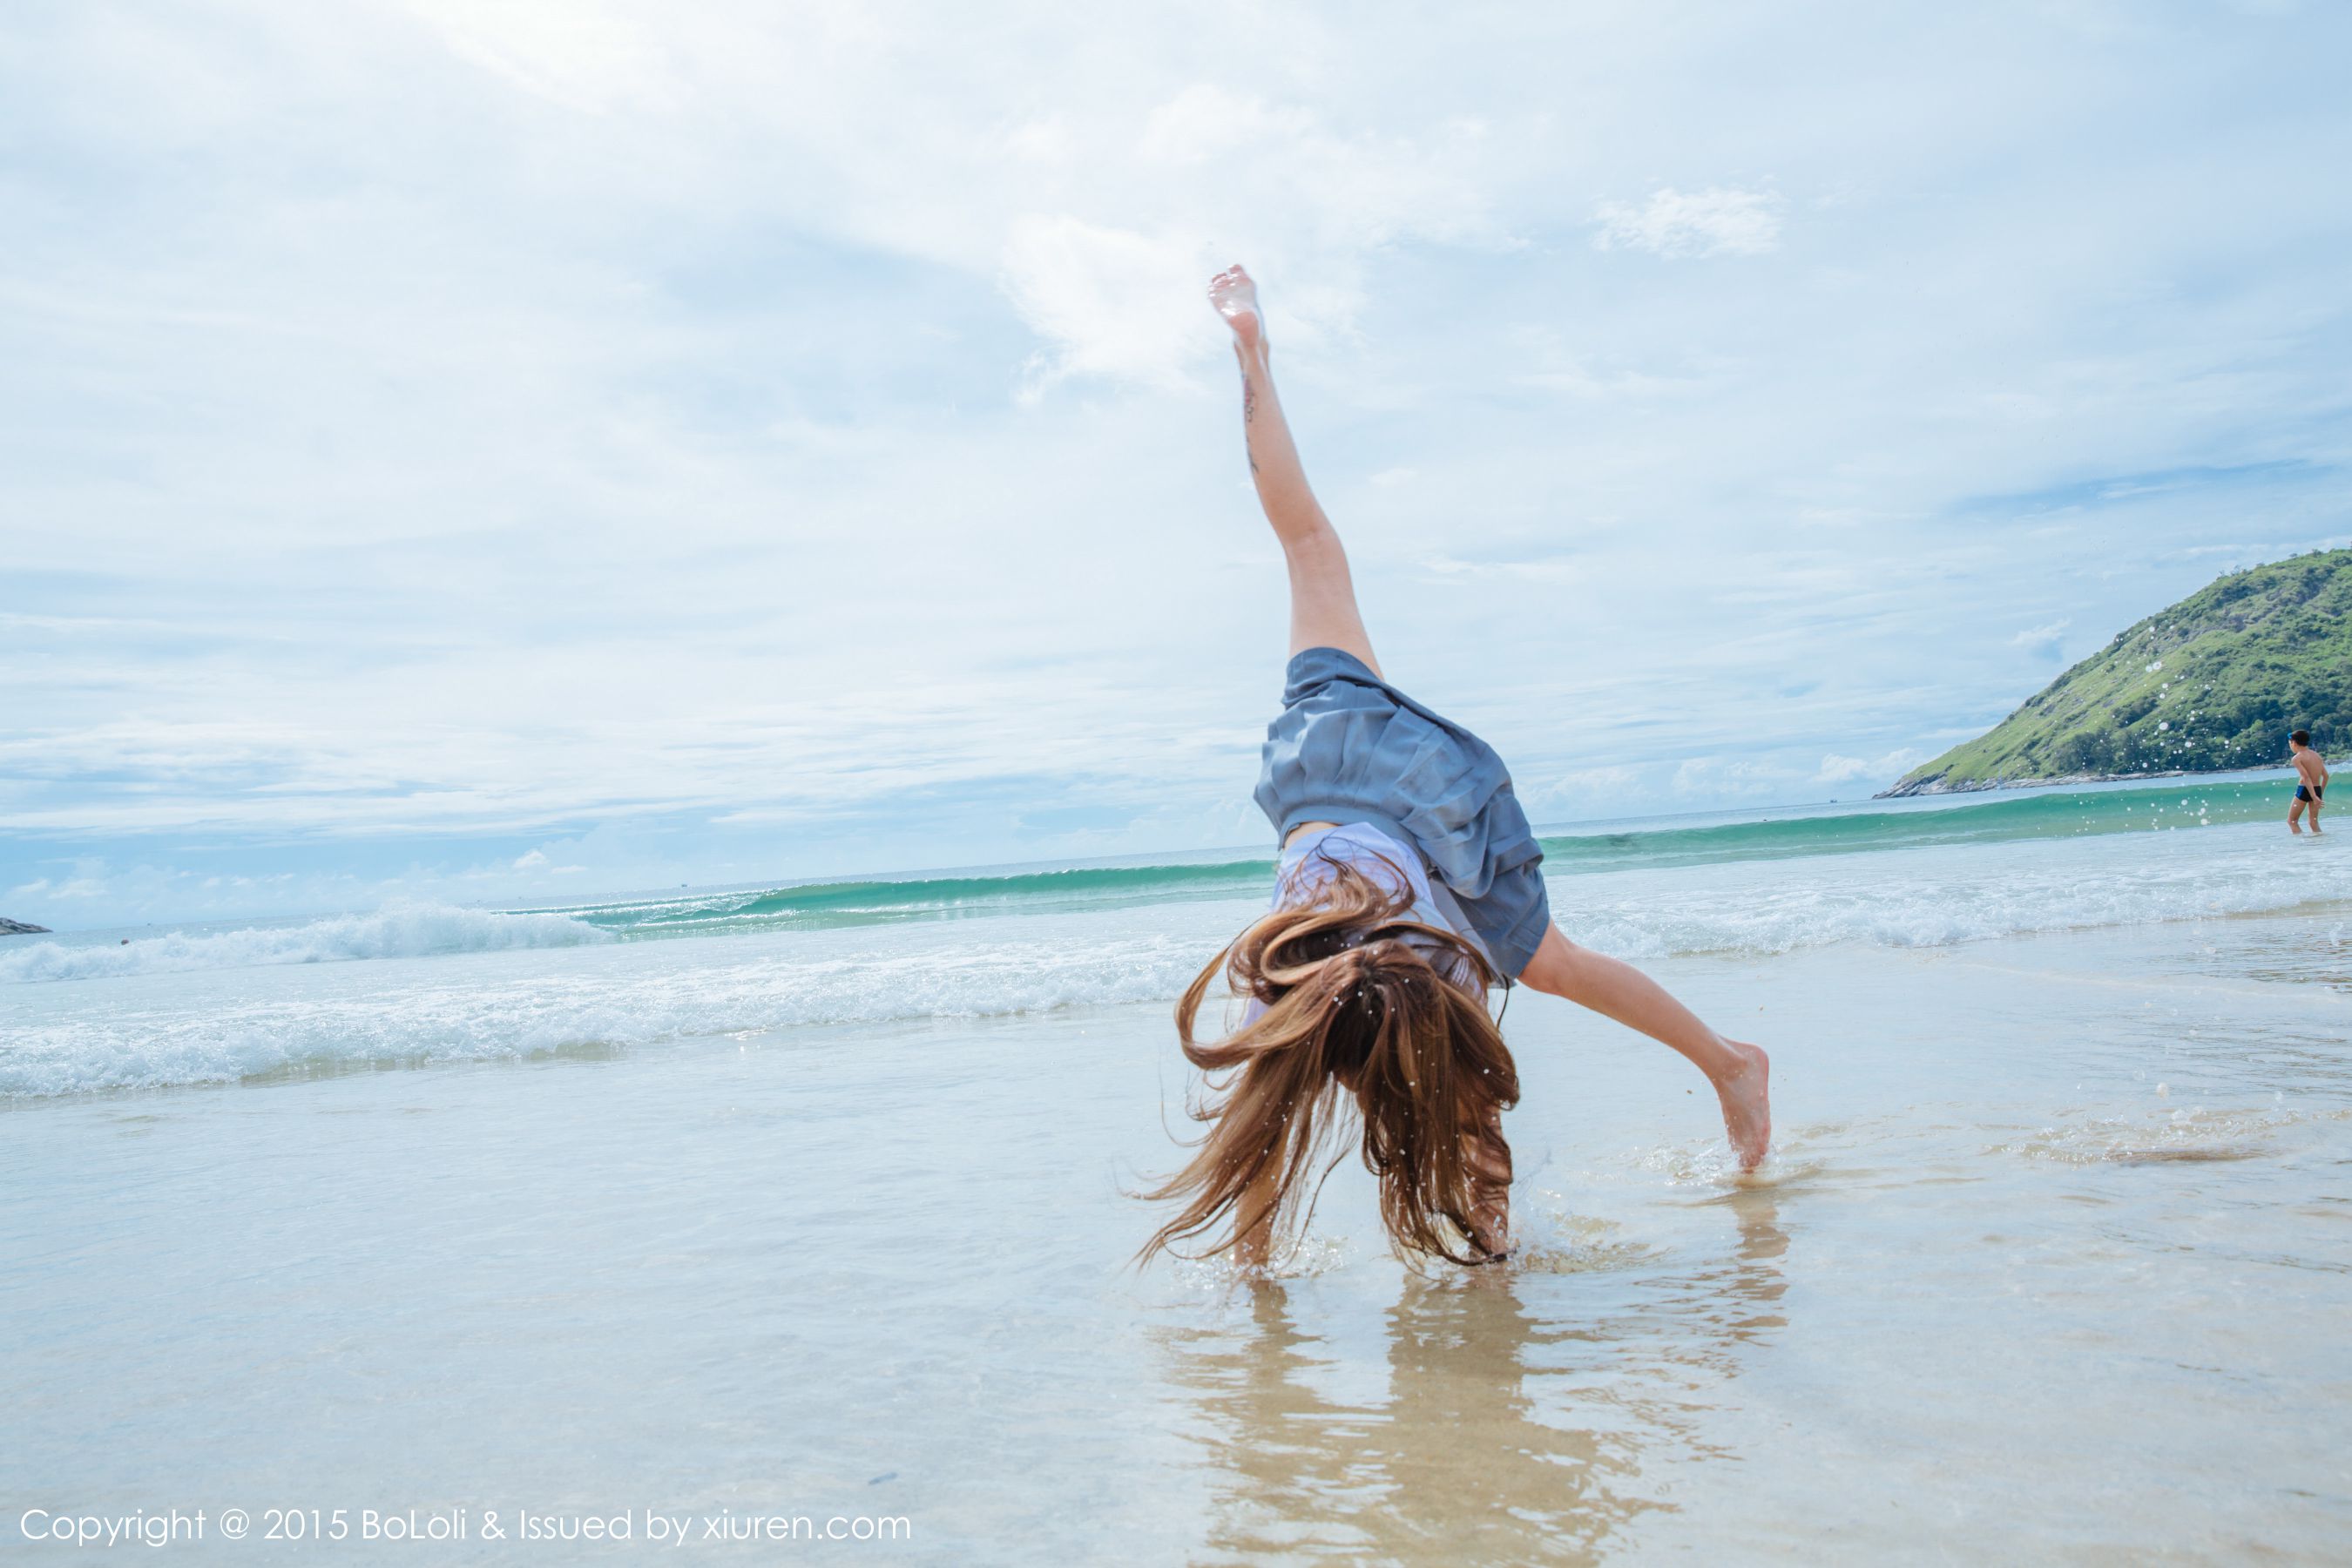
1524	1418
2313	953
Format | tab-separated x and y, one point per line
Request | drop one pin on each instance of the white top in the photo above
1307	864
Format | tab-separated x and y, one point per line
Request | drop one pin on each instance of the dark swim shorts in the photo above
1350	747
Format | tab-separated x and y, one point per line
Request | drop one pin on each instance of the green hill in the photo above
2214	682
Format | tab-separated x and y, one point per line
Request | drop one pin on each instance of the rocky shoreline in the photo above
1974	787
19	927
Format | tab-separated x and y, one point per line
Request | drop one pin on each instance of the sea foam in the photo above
397	931
67	1040
238	1004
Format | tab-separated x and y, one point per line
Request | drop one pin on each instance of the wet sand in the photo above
2054	1262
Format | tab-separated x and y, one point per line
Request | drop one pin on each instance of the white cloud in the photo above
1712	222
1563	569
531	861
1729	778
1611	790
582	55
1205	122
1113	282
1836	768
88	883
2044	641
1046	141
1109	301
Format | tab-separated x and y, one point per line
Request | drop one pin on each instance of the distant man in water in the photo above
2311	780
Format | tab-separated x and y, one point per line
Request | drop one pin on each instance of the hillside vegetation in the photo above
2214	682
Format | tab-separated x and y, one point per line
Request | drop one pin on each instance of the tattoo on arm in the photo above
1249	415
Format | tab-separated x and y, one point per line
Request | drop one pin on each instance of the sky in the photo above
503	451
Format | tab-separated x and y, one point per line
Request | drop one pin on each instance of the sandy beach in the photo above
2052	1263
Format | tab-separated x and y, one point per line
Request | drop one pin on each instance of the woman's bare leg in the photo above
1740	1073
1323	610
1253	1223
1489	1156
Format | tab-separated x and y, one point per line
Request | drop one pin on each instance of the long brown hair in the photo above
1350	1006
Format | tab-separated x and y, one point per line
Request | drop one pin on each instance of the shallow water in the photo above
2052	1264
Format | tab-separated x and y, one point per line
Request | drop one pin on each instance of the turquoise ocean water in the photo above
1788	835
422	982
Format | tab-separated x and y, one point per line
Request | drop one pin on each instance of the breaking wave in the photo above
398	930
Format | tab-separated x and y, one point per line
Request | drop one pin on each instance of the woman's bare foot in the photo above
1490	1228
1235	294
1746	1096
1488	1157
